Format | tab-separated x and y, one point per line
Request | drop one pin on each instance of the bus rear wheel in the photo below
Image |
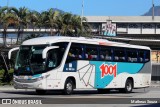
68	87
41	92
128	86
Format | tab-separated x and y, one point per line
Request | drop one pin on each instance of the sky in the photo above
91	7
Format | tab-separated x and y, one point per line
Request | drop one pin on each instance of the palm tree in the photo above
76	23
23	20
33	16
60	24
86	28
51	19
70	25
44	19
9	18
64	25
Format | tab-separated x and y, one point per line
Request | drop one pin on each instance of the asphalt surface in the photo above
83	98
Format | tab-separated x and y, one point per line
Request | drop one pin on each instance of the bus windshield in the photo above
29	60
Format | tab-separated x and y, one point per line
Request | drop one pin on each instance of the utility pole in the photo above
153	10
7	5
82	12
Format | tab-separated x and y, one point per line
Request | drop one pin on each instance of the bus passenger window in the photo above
119	55
132	55
91	53
105	54
141	56
75	53
147	56
102	57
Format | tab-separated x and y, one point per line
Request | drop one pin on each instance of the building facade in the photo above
138	30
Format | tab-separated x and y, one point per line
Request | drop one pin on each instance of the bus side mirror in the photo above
10	52
44	53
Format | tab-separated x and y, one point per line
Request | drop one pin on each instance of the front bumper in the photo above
35	85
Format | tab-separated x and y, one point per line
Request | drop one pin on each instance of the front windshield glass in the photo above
29	60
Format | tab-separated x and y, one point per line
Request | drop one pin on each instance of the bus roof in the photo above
54	39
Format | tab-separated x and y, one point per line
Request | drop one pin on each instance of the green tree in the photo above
33	16
23	21
51	19
8	18
70	25
85	28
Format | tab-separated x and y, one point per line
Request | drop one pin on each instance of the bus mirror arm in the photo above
10	52
44	53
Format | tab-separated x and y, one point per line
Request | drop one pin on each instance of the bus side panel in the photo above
143	78
98	74
113	73
82	72
86	75
140	79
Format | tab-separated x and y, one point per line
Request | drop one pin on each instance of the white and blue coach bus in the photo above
68	63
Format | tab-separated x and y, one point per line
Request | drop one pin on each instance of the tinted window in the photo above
132	55
106	54
119	55
91	52
147	56
75	52
141	56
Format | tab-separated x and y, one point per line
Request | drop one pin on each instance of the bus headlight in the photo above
42	77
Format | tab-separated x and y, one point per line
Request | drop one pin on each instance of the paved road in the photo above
87	97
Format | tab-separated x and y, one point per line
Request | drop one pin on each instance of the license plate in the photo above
24	85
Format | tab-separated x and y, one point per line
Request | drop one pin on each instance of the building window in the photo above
148	26
132	25
121	25
158	25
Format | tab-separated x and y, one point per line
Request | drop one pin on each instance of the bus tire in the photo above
128	86
41	92
68	87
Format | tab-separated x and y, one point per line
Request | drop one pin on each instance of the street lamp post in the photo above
82	12
152	9
7	3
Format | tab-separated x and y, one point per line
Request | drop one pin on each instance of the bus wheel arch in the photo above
69	85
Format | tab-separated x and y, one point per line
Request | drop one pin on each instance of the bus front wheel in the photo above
68	87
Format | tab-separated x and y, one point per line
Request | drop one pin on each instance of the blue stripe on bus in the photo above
104	78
